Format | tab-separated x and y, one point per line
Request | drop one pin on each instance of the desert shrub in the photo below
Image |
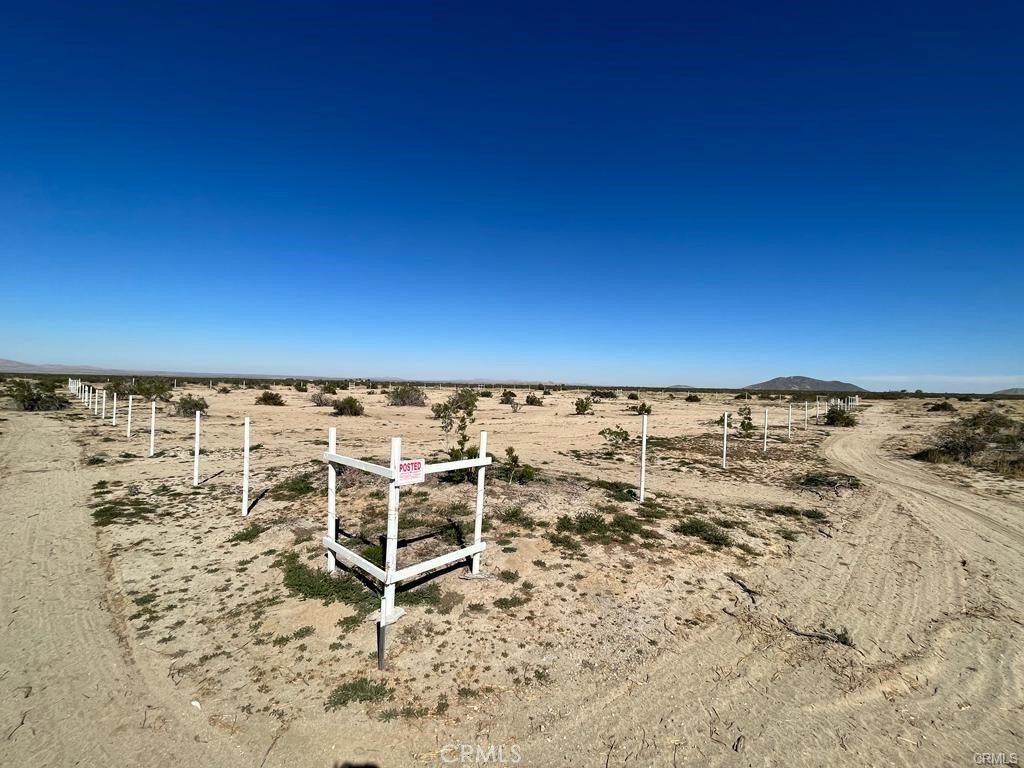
836	417
507	397
944	407
615	436
328	389
456	413
988	439
693	398
532	399
485	393
407	394
546	392
516	406
632	396
584	405
704	530
513	470
36	396
301	386
833	480
965	399
269	398
641	409
746	420
321	399
604	394
188	405
348	406
618	490
293	488
224	390
147	388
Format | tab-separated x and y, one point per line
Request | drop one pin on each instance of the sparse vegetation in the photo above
837	417
269	398
986	440
361	689
36	396
407	394
188	405
943	407
348	406
704	530
693	398
584	405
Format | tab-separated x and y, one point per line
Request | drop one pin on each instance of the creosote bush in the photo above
604	394
348	406
507	397
944	407
532	399
36	396
632	396
188	405
407	394
584	405
300	386
269	398
321	399
693	398
836	417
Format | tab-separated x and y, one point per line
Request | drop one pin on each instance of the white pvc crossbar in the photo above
390	575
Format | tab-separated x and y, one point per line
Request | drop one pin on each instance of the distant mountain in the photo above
805	384
679	386
1010	391
14	366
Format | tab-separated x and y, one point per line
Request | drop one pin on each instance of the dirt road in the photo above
70	692
925	577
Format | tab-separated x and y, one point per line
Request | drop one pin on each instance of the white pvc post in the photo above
130	397
725	437
195	451
103	415
96	403
332	484
643	456
816	409
245	480
789	425
806	406
152	428
765	448
113	421
387	602
478	522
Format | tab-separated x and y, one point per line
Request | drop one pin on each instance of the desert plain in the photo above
740	616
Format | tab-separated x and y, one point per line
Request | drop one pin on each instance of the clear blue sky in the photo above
711	194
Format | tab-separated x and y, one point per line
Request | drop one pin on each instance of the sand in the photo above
162	640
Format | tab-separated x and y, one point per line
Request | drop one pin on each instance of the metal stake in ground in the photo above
725	437
245	471
195	454
643	456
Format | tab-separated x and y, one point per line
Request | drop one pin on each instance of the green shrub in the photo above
746	420
329	389
642	409
359	690
269	398
616	436
833	480
532	399
836	417
485	393
704	530
632	396
407	394
507	397
301	386
250	533
944	407
293	487
693	398
188	405
584	405
513	470
348	406
38	396
321	399
604	394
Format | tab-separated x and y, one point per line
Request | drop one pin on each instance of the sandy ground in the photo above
160	638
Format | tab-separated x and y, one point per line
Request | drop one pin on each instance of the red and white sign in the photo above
410	471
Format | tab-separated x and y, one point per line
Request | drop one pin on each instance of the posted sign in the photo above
410	471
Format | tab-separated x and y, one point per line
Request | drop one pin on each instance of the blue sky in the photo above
636	193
